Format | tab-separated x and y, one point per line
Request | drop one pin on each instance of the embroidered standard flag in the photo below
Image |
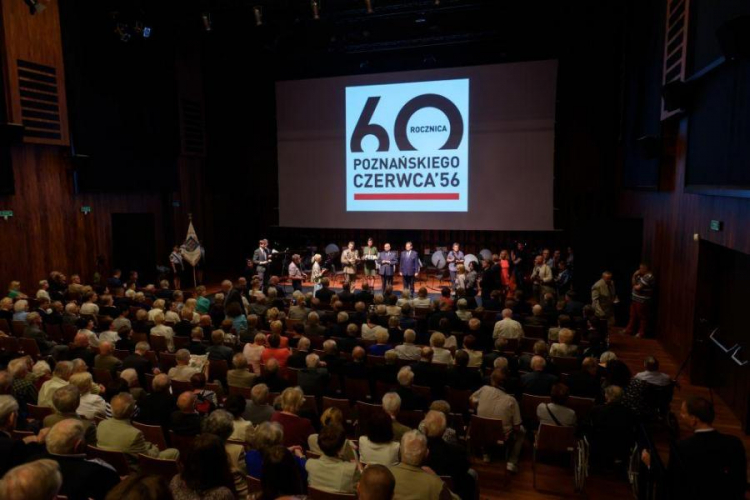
191	249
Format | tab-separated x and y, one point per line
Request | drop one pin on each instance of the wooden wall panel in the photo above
48	231
34	38
670	221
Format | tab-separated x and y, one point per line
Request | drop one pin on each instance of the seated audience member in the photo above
272	378
217	351
381	345
240	376
538	382
22	387
463	312
313	379
253	352
357	367
183	371
81	349
392	405
449	436
296	429
236	405
493	402
427	373
37	480
82	478
633	389
329	472
338	329
275	351
221	424
707	464
376	445
563	321
196	345
21	311
106	360
439	353
157	407
349	343
565	347
332	416
586	383
34	331
507	327
118	434
206	472
556	413
448	459
413	482
540	349
161	330
652	375
141	486
108	334
86	327
297	358
376	483
371	327
280	476
131	377
65	402
537	317
258	410
408	350
410	400
612	427
186	421
60	377
139	362
476	357
262	439
461	377
313	328
387	372
13	452
332	358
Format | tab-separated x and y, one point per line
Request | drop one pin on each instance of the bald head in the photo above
186	402
376	483
106	348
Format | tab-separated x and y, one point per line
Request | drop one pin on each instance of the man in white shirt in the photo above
508	328
542	278
408	350
182	372
60	376
652	375
492	401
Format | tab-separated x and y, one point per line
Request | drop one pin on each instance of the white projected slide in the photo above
407	147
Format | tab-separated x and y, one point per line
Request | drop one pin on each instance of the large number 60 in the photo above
365	128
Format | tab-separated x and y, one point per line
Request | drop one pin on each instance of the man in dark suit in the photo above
186	421
158	406
489	283
297	359
410	400
365	295
447	459
261	259
313	379
348	343
708	464
346	296
13	452
409	265
573	307
80	349
34	331
427	374
218	351
325	293
82	478
357	367
271	377
387	260
115	281
537	317
388	371
139	362
586	383
538	382
406	321
461	377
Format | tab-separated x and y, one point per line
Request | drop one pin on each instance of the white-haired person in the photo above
162	330
392	405
412	481
316	275
91	405
20	310
439	353
253	352
38	480
60	377
447	459
408	350
565	347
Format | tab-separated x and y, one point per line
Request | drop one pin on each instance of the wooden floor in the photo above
556	482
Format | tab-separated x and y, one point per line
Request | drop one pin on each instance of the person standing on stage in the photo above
604	297
409	264
387	260
178	266
295	273
349	258
455	257
541	278
643	293
370	256
317	273
261	261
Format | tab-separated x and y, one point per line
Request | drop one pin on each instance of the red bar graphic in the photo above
406	196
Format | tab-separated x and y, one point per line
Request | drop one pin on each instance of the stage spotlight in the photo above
258	13
315	6
35	6
206	18
368	6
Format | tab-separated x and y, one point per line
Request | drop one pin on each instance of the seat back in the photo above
167	360
245	392
158	343
117	459
217	369
29	347
182	443
582	406
357	389
535	332
153	434
179	386
342	404
567	364
181	342
364	411
121	354
5	326
38	412
316	494
54	332
458	399
423	391
410	418
529	404
102	376
158	466
9	345
555	439
253	485
485	432
17	328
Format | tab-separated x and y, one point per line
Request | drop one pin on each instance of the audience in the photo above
376	445
413	482
297	429
206	472
556	413
38	480
652	375
329	472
